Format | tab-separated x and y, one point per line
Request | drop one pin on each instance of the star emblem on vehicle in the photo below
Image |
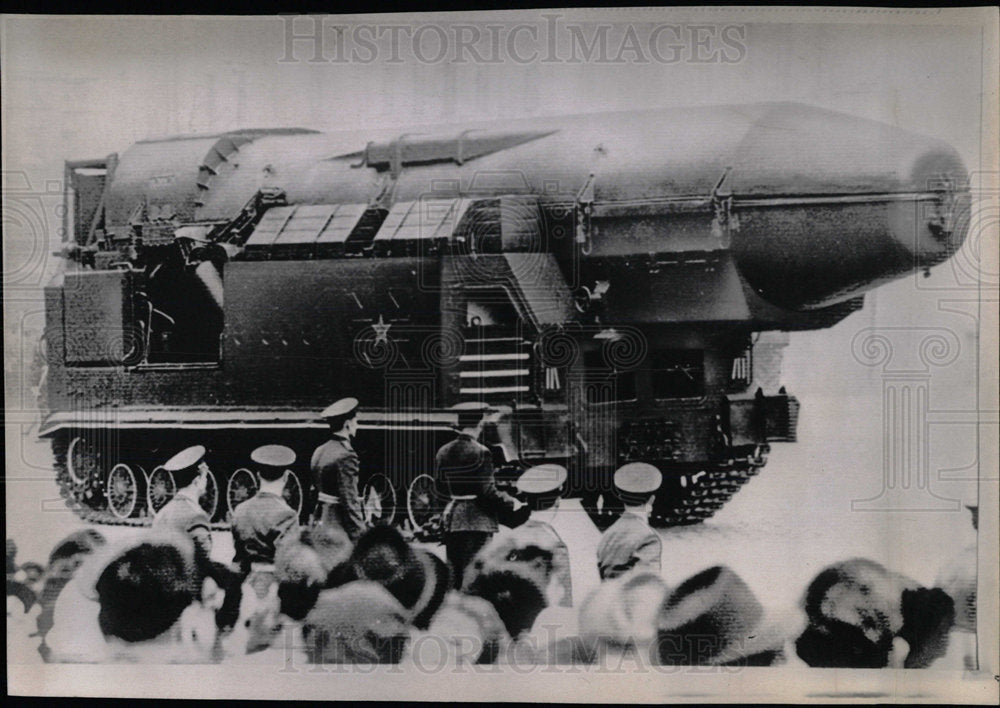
381	331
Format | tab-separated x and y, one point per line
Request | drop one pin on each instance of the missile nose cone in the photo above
933	228
840	205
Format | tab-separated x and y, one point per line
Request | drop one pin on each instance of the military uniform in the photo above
630	542
465	471
183	513
335	467
258	524
541	483
627	544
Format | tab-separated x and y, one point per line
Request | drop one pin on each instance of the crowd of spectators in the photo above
382	599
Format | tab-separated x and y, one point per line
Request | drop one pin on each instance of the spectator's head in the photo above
418	579
333	547
469	629
928	616
33	572
65	558
520	550
517	599
853	612
713	618
20	598
68	554
382	556
435	582
144	590
357	623
258	624
301	576
622	613
856	608
11	556
149	593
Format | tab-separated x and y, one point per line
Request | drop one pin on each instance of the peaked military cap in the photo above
470	406
470	412
638	478
273	456
185	459
541	479
341	407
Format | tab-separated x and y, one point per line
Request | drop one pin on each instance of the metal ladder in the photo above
495	368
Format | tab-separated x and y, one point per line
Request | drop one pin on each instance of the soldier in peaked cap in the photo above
542	487
259	525
630	542
464	470
335	466
183	513
261	521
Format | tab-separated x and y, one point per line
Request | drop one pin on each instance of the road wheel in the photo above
209	499
378	500
123	490
160	490
80	460
83	468
422	503
294	492
241	486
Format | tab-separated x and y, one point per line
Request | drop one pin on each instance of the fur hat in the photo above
464	616
623	611
77	543
383	556
958	579
332	545
143	584
855	608
436	582
415	577
713	618
357	623
516	597
521	550
301	575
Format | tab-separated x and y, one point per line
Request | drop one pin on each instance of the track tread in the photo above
710	493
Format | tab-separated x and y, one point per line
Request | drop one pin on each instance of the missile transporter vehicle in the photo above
619	286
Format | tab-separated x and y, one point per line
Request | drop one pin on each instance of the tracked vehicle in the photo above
620	285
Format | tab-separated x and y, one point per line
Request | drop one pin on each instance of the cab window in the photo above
678	373
606	384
